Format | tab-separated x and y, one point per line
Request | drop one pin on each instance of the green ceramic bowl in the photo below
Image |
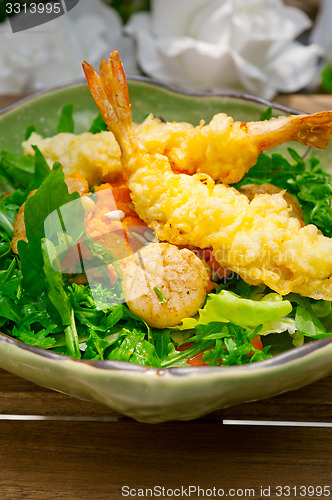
148	394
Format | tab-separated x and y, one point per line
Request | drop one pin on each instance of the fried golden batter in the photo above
213	148
95	156
260	240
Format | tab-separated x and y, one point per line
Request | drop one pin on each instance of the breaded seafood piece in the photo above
225	149
163	284
95	156
259	240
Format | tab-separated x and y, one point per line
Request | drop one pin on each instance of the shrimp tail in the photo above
316	130
110	91
311	130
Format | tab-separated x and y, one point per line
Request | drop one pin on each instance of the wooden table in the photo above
53	446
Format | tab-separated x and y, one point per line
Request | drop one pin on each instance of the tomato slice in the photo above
197	360
257	343
184	347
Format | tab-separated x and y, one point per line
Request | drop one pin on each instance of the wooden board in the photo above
89	460
53	446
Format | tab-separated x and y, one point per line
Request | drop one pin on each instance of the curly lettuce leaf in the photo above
226	307
309	324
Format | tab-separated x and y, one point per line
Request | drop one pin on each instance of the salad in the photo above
46	300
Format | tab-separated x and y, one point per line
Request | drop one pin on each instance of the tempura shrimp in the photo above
95	156
214	148
252	190
163	284
259	240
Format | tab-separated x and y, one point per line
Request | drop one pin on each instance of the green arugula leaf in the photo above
9	292
7	217
7	274
96	347
66	122
211	331
179	358
5	252
125	345
145	354
39	339
114	316
163	344
98	125
17	197
267	115
28	132
42	169
52	194
58	296
326	78
17	169
11	288
24	171
235	348
87	313
133	346
9	309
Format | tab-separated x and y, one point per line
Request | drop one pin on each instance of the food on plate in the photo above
164	284
95	156
149	258
251	190
212	149
259	240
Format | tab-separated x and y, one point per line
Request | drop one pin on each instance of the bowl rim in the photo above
284	358
155	83
279	359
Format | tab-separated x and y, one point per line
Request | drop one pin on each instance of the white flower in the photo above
322	33
52	53
246	45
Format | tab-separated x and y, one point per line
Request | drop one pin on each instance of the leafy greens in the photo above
306	181
41	307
